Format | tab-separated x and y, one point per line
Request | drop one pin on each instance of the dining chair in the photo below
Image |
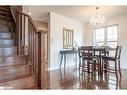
116	60
99	52
87	61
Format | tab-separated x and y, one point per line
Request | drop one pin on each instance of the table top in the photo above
103	48
71	51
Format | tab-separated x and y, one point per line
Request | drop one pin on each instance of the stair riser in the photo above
20	84
10	61
5	9
6	42
6	23
8	52
5	13
14	71
6	18
5	35
4	28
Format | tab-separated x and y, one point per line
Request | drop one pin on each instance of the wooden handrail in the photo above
13	13
25	24
29	17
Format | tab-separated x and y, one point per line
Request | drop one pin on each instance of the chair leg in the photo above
119	69
94	66
98	67
88	66
116	70
105	66
79	68
82	67
102	67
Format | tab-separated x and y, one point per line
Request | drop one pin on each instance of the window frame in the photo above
105	35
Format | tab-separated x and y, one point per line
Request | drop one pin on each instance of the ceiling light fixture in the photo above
98	19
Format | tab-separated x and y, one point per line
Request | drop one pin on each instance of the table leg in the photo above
75	59
61	60
64	61
101	66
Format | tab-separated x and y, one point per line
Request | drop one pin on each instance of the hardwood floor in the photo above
70	79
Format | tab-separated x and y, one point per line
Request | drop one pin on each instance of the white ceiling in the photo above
80	13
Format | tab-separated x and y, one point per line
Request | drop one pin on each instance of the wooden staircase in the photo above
15	70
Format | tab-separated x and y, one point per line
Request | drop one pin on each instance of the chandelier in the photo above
98	19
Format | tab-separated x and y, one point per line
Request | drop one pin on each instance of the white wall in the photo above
57	22
25	9
122	35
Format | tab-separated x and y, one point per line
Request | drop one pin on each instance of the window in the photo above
112	36
99	36
106	36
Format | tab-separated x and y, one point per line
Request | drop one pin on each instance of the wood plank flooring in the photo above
70	79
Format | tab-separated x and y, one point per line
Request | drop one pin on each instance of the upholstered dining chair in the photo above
116	60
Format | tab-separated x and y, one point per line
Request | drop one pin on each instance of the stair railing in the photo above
28	40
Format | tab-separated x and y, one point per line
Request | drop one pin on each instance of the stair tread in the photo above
3	8
14	46
6	16
8	61
14	78
5	22
33	87
8	46
6	13
13	66
6	51
5	31
13	55
8	64
13	71
6	38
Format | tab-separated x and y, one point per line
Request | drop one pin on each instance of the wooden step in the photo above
13	71
5	34
6	42
4	28
4	13
33	87
21	82
7	18
6	23
4	8
10	61
8	51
